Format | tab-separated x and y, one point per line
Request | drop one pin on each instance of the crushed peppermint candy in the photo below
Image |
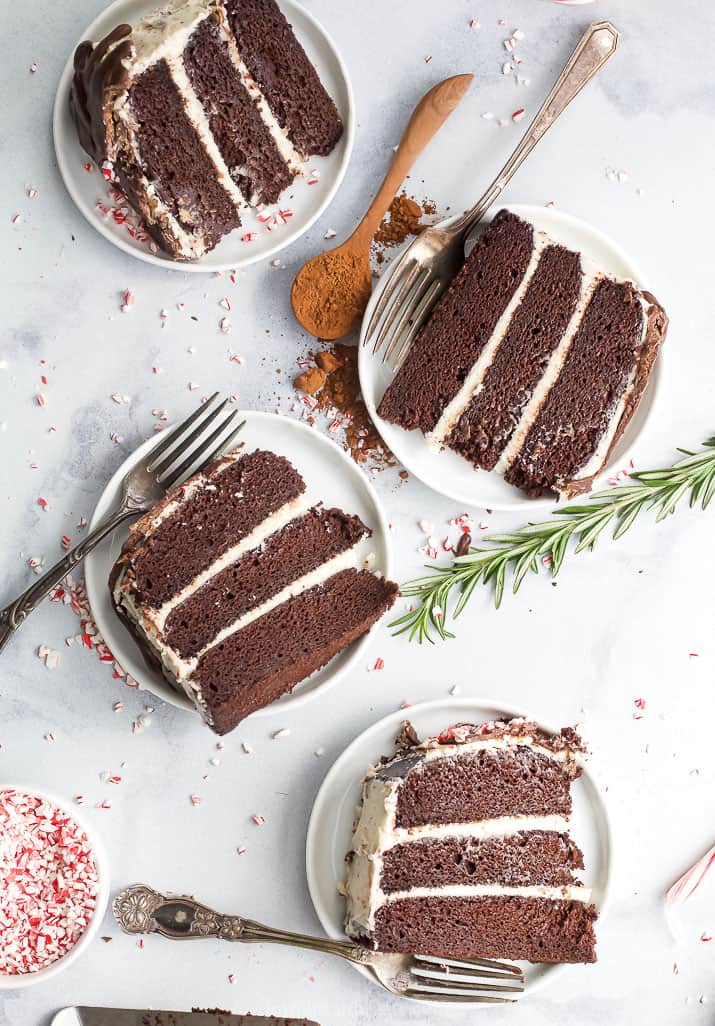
689	882
50	883
50	658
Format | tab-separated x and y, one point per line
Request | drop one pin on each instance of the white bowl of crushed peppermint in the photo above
54	887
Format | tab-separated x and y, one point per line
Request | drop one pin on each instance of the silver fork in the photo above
140	909
142	488
425	269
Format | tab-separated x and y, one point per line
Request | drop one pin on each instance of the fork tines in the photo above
403	308
194	449
466	979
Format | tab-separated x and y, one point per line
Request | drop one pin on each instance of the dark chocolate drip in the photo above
98	70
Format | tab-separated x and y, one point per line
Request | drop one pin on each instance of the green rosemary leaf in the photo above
626	519
709	491
671	501
521	569
467	589
559	552
572	529
589	534
538	530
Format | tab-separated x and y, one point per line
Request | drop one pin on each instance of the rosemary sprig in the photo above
547	544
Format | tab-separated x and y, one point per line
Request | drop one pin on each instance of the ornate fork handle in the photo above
17	612
596	47
140	909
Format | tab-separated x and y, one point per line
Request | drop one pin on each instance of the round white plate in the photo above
305	203
331	477
331	821
452	475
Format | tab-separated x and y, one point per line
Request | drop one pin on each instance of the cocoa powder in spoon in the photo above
331	292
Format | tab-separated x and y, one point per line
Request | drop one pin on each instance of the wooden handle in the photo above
427	118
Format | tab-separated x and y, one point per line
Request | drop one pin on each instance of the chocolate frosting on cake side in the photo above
99	74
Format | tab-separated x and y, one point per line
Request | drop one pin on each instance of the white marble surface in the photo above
620	624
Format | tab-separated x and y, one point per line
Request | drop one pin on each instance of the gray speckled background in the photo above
620	624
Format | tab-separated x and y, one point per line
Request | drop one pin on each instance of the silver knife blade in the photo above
138	1017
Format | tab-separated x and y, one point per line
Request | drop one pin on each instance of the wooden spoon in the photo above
331	291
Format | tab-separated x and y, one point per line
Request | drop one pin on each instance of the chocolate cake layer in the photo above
485	784
504	927
535	331
174	159
300	547
245	142
522	859
210	522
265	659
577	411
287	78
462	323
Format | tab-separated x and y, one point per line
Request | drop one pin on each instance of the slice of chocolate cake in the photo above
532	363
238	591
461	848
199	111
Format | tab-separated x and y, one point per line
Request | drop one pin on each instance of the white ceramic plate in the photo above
330	475
100	858
331	821
305	202
450	474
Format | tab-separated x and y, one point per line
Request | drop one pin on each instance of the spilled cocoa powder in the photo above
339	396
403	220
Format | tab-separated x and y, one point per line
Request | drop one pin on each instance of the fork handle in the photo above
140	909
597	45
17	612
